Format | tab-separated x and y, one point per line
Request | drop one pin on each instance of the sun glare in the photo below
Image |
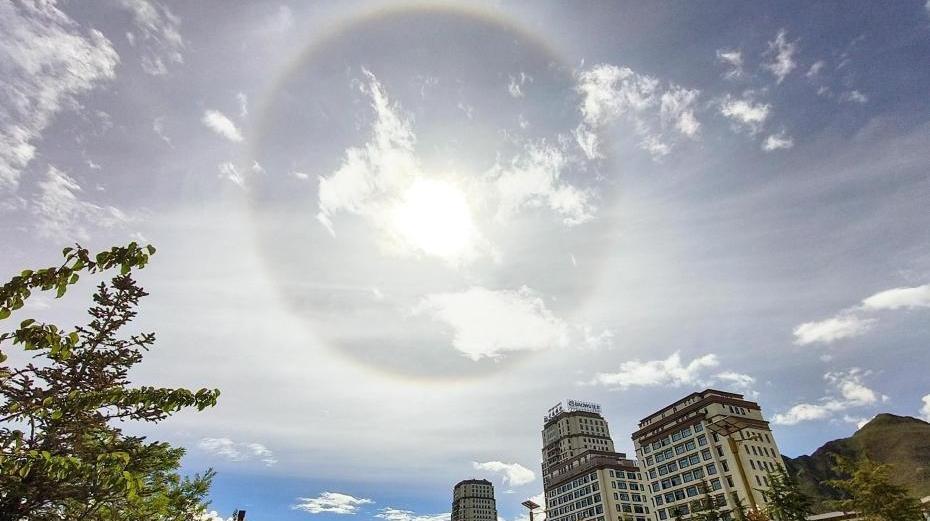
434	217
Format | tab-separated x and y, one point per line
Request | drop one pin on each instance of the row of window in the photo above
683	510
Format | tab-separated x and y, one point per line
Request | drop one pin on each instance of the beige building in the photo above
713	437
473	500
583	478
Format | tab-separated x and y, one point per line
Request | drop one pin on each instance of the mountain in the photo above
900	441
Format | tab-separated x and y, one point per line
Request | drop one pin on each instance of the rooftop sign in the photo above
572	406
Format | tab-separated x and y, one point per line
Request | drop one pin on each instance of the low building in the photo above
713	439
473	500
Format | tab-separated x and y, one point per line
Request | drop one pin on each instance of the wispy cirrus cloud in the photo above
63	214
733	59
47	61
237	451
331	503
780	54
779	141
157	33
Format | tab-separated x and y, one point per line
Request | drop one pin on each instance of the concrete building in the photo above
584	479
710	437
473	500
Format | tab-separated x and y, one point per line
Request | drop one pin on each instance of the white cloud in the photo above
815	69
733	58
670	371
745	112
852	393
243	100
781	53
237	451
212	515
851	388
533	179
161	37
219	123
859	421
229	172
331	503
513	474
916	297
384	182
854	96
832	329
780	141
62	215
587	141
396	514
804	412
740	380
925	410
610	92
47	62
677	108
515	87
158	127
489	323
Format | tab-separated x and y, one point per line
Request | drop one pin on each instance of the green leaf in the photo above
61	291
66	251
4	313
124	269
56	415
74	278
73	336
26	323
150	249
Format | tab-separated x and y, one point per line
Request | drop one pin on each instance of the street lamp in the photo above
531	506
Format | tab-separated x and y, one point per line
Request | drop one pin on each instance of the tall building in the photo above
473	500
710	438
584	479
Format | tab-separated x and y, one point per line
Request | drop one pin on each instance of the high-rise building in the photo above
709	442
473	500
584	479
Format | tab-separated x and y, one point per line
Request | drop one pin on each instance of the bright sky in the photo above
395	234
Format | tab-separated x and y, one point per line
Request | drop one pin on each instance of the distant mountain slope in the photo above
901	441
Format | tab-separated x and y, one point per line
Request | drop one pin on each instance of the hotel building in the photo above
710	437
583	478
473	500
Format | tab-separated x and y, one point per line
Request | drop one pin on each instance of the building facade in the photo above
710	442
473	500
584	479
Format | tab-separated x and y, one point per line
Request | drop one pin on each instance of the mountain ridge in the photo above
900	441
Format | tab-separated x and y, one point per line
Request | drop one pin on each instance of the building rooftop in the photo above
700	394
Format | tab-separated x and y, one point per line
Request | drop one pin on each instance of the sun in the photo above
433	217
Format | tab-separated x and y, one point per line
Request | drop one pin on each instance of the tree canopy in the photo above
62	455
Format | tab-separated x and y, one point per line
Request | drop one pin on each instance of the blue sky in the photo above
394	234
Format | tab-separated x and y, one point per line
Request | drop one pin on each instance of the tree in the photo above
61	456
871	492
785	501
706	508
739	509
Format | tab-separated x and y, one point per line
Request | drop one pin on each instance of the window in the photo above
711	469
